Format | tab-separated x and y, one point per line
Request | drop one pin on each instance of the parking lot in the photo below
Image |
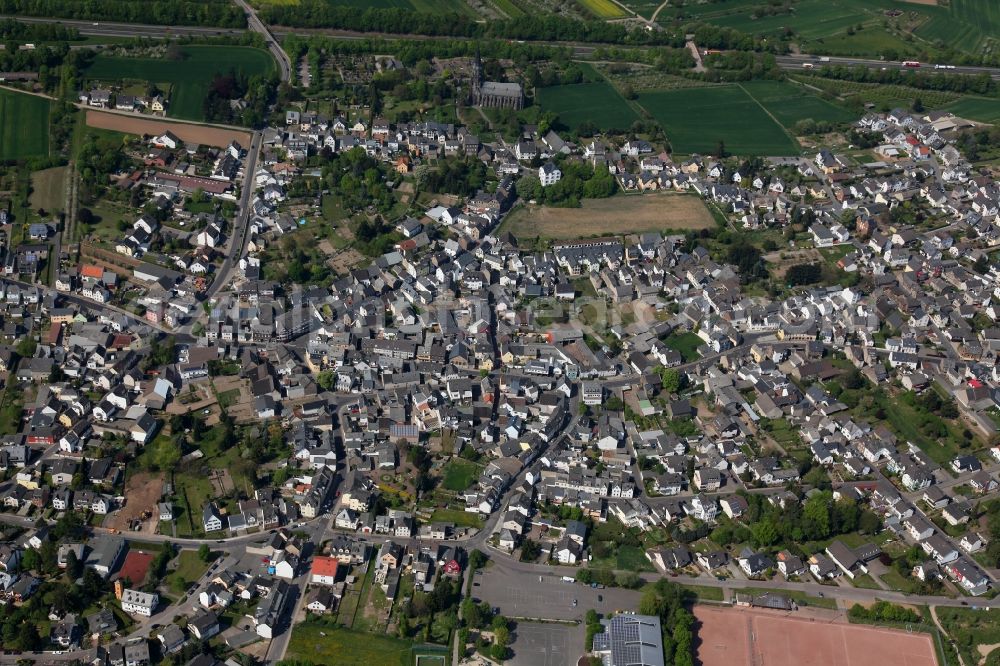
547	644
547	597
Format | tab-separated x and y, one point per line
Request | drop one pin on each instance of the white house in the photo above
135	602
549	174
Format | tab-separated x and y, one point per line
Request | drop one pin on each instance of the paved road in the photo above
113	29
240	236
797	62
284	64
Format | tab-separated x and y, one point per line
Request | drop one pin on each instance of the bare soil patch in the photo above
142	491
785	259
222	482
624	214
932	3
203	134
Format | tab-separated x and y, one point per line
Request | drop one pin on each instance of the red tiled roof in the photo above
92	271
324	566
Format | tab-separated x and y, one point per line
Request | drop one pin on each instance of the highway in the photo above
284	64
106	29
796	62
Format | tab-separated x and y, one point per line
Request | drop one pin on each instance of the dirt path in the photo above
652	19
699	66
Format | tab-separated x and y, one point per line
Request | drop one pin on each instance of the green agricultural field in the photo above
790	103
869	41
24	126
969	25
602	9
508	8
429	6
696	120
644	8
598	103
982	109
188	80
821	26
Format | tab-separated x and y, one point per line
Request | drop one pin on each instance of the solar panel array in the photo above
631	640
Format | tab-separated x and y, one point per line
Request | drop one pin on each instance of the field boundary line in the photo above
770	115
632	104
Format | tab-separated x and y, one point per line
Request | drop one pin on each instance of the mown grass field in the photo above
602	9
24	126
598	103
334	646
190	79
696	120
457	516
47	189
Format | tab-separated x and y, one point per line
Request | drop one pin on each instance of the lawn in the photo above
783	432
189	565
598	103
458	517
627	558
696	120
789	103
705	593
866	582
459	474
319	643
189	80
24	126
685	343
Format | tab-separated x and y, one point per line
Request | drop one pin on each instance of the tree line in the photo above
980	84
219	13
323	14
